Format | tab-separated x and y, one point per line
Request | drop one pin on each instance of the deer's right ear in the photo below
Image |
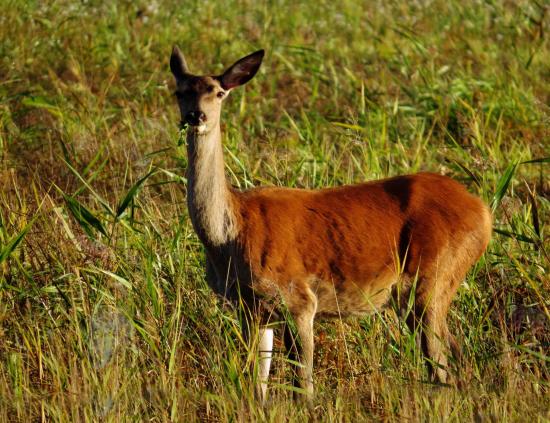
178	66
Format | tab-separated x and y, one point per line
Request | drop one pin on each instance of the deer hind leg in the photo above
428	321
300	344
432	338
435	347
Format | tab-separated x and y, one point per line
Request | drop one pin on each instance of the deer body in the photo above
350	245
334	252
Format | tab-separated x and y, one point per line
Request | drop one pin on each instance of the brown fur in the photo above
333	252
353	240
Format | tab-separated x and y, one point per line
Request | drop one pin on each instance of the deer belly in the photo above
353	298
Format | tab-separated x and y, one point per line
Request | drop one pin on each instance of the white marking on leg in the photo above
265	352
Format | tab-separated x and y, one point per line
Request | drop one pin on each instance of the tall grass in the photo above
104	311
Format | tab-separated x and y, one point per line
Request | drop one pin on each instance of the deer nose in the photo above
195	118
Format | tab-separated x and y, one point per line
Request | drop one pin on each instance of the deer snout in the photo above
195	118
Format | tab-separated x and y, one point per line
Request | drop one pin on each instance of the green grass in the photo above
104	311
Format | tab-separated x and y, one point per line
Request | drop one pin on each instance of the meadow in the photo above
105	314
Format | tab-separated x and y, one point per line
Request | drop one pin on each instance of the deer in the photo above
334	252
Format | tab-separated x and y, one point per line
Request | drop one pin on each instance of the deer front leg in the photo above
304	328
303	314
265	353
264	348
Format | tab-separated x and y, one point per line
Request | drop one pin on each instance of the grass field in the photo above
104	311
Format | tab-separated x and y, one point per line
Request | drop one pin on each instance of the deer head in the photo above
200	97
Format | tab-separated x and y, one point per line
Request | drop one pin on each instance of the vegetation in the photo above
104	311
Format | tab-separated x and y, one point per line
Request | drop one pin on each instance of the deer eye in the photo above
220	94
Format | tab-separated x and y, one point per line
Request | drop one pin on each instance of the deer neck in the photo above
209	197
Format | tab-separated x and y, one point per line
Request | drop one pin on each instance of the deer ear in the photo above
242	71
178	66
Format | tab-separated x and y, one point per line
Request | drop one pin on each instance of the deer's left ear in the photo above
242	71
178	66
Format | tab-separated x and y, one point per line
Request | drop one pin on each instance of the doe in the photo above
348	250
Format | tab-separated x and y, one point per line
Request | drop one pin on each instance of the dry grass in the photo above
104	311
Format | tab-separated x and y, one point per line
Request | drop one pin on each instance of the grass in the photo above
104	311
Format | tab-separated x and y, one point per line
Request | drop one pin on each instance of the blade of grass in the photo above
502	185
519	237
83	216
540	160
132	192
95	194
12	244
